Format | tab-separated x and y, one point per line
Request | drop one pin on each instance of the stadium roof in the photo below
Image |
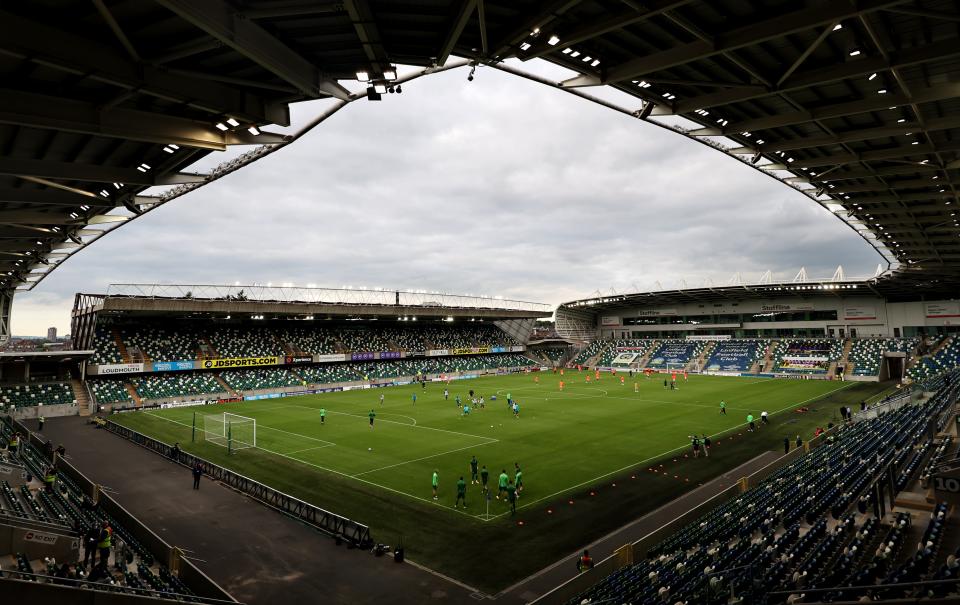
853	103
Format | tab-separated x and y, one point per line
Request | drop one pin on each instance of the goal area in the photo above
232	431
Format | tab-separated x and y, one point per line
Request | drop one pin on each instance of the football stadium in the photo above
768	441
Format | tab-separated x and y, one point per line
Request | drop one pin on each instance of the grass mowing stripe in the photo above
416	426
459	449
336	472
667	453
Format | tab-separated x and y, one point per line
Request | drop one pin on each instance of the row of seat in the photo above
69	507
757	542
46	393
175	342
190	384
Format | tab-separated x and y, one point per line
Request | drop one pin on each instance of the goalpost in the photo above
231	431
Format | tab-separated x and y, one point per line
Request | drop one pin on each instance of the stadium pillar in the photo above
6	306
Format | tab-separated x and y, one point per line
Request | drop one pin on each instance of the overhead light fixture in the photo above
567	50
363	76
838	27
525	46
872	76
553	40
390	73
221	126
173	146
380	88
595	63
882	91
575	54
855	52
253	130
116	185
233	122
168	150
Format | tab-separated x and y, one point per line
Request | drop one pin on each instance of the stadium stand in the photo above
304	340
25	395
155	343
673	352
594	348
867	353
783	535
109	390
244	342
807	356
105	348
261	378
734	355
946	357
632	350
130	568
161	386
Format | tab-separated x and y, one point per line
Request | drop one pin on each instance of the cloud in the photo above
498	187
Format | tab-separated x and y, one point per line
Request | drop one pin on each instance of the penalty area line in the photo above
345	475
459	449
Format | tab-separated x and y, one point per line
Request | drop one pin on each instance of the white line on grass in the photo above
664	454
415	426
309	449
343	474
259	426
459	449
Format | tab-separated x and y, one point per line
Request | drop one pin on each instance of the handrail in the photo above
13	574
330	523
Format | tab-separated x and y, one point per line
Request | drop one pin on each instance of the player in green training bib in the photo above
372	415
473	471
723	408
435	483
323	415
502	484
461	493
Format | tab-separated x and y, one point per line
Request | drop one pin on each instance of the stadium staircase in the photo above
207	350
642	362
226	387
768	356
133	394
845	358
82	394
122	347
944	342
832	370
697	364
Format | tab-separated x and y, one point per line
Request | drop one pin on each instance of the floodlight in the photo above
253	130
390	73
553	40
233	122
363	76
221	126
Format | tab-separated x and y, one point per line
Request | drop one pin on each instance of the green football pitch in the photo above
584	438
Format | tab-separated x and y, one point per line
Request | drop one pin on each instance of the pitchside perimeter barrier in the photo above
333	524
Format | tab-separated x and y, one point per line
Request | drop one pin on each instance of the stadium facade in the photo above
816	308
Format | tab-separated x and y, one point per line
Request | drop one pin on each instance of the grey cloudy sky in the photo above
498	186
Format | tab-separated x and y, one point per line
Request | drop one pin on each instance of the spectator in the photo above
786	445
706	446
197	473
90	545
799	441
61	451
585	561
40	421
104	542
175	452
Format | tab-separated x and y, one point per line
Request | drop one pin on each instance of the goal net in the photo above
673	366
231	431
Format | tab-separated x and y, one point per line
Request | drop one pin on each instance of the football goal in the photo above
231	431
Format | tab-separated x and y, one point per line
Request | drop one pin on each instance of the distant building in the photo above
52	333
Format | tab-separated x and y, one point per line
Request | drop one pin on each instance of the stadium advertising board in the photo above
184	404
390	355
239	362
416	353
116	368
517	348
859	313
470	351
498	349
943	310
436	353
263	396
330	357
609	320
656	312
708	337
365	356
787	307
35	536
292	359
625	359
173	366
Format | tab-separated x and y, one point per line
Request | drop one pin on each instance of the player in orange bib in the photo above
536	379
579	368
588	378
621	381
561	371
673	377
561	386
596	375
684	374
